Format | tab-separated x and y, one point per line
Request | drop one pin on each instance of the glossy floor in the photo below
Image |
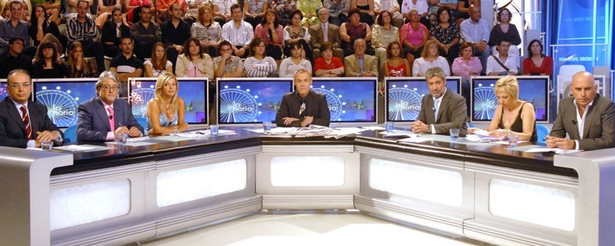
308	229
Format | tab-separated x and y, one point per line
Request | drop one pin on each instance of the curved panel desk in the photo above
107	195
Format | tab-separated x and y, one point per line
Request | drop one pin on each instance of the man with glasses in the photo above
103	117
24	123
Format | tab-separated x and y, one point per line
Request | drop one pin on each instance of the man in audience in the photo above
476	31
502	63
304	106
360	64
163	9
14	26
103	117
227	65
14	59
81	27
338	11
222	10
24	123
324	32
441	109
175	32
238	32
145	33
126	65
587	118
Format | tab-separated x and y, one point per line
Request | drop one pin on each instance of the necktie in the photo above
111	122
436	109
361	65
325	32
26	121
302	108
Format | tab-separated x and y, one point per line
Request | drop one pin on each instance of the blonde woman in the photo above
166	111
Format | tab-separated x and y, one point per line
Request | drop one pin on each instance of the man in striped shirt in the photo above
238	32
81	27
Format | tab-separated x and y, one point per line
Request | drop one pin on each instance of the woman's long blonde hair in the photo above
162	79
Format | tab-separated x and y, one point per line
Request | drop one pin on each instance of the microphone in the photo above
110	117
574	122
433	108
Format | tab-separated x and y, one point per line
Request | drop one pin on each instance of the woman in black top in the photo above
47	63
112	31
40	25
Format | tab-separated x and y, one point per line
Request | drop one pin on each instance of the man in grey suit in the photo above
441	109
360	64
318	35
587	112
103	117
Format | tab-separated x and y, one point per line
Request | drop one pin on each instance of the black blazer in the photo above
12	129
109	34
316	106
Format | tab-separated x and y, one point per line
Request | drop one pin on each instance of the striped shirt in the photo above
259	68
78	31
238	36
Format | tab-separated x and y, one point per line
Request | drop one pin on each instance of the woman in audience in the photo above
166	111
297	33
512	116
290	65
272	32
537	63
47	63
366	8
308	9
105	9
254	11
413	36
258	64
158	64
467	65
396	66
354	29
112	31
328	65
505	30
384	33
207	31
445	33
194	62
41	25
430	57
79	66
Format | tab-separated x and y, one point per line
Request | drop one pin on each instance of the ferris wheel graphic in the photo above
61	106
404	103
237	105
485	102
333	101
3	92
139	98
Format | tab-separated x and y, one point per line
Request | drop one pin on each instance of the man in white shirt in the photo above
391	6
476	31
238	32
222	10
503	63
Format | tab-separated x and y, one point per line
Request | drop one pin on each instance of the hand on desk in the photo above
307	121
289	120
46	136
419	127
562	143
498	133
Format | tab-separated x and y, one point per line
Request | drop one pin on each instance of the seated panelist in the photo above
512	116
24	123
304	106
166	111
103	117
441	109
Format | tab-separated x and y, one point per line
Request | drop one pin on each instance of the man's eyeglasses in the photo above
16	86
112	88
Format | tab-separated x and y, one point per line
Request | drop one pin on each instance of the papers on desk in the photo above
553	150
415	139
483	137
373	128
85	147
313	130
139	139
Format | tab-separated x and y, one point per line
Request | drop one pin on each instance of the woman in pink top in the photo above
272	32
466	65
413	36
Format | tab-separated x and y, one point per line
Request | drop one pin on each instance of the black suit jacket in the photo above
316	106
452	113
599	127
12	129
93	124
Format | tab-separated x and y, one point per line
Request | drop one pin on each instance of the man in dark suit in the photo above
304	106
103	117
318	35
24	123
442	109
586	112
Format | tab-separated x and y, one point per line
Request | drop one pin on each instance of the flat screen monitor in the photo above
349	99
404	96
63	96
3	92
192	90
533	89
250	100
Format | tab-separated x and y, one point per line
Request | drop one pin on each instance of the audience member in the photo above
430	57
325	32
254	11
103	117
227	65
295	33
133	10
359	64
166	111
81	27
112	31
366	8
163	9
441	109
42	25
222	10
290	65
395	65
466	66
78	65
126	65
145	33
159	63
283	9
308	8
383	34
413	36
14	26
14	58
392	7
353	30
463	10
337	11
503	63
328	65
537	63
476	31
258	64
194	62
505	30
272	33
207	31
303	107
238	32
105	10
446	34
420	6
175	32
47	63
73	6
51	9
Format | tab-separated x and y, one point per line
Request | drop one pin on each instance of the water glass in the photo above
388	126
513	140
213	130
47	145
120	139
454	134
266	127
